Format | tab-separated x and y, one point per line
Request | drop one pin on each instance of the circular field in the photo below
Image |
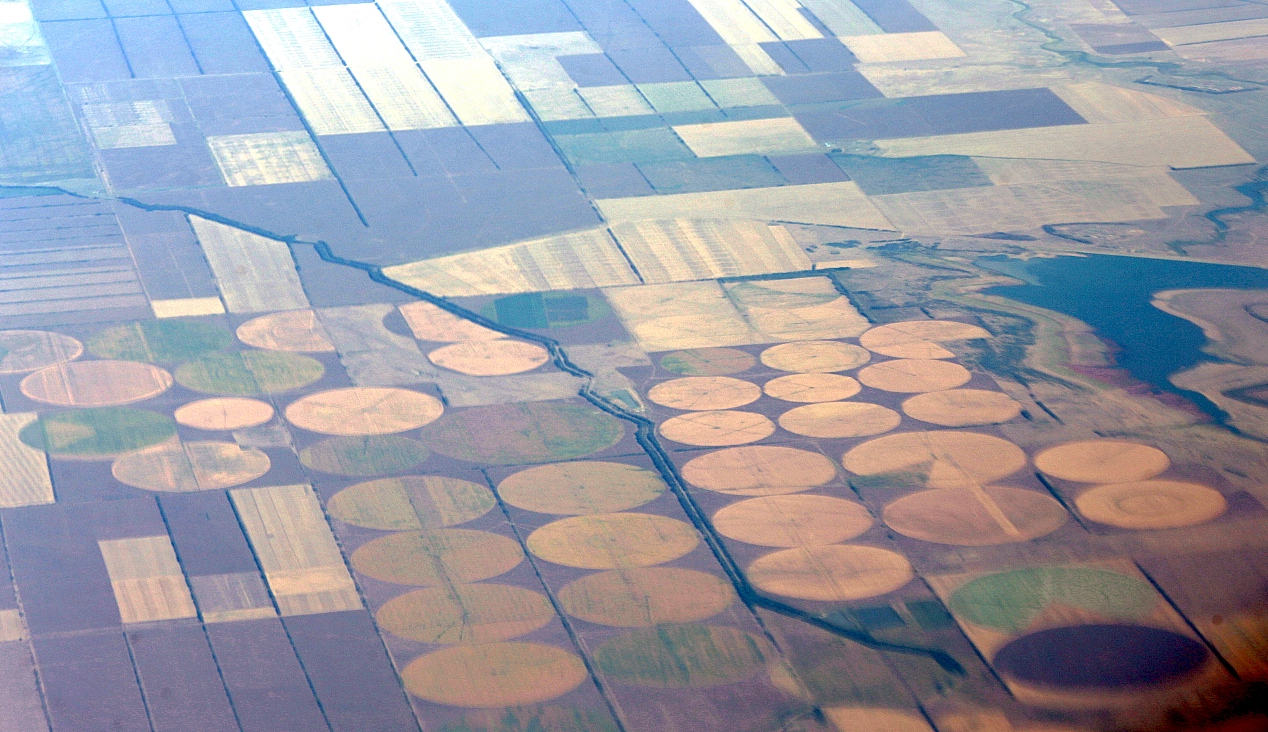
160	341
358	457
580	488
249	373
919	338
646	597
437	558
532	432
796	520
682	656
29	350
699	393
1151	504
962	407
1010	601
224	413
364	410
832	573
1102	461
613	540
975	516
941	459
717	429
95	434
815	357
297	331
1100	657
96	383
411	503
433	323
913	375
490	358
760	470
833	420
491	675
186	467
479	613
811	388
708	361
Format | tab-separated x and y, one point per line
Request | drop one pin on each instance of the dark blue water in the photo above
1113	294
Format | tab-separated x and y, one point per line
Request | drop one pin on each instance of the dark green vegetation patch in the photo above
98	433
545	310
679	656
364	456
160	341
534	432
879	176
249	373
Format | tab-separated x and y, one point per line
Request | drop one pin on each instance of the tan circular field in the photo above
1151	504
796	520
912	375
437	557
815	357
613	540
919	338
962	407
364	410
176	467
831	420
698	393
28	350
488	675
833	573
582	487
760	470
411	503
809	388
296	331
433	323
939	459
1102	461
708	361
221	414
479	613
975	516
96	383
490	358
646	597
717	429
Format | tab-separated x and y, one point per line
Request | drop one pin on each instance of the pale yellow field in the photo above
746	137
147	580
267	158
294	546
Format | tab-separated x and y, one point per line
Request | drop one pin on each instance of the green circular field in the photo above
249	373
1009	601
97	433
160	341
364	456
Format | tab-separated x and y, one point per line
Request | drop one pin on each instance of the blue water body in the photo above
1113	294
